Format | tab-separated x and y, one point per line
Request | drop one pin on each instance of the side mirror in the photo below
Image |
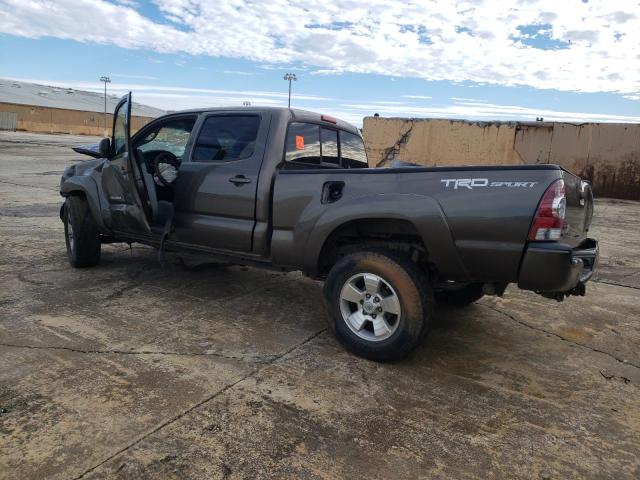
104	148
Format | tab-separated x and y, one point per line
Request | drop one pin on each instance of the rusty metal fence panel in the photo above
8	120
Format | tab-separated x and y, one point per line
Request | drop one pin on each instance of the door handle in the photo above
239	180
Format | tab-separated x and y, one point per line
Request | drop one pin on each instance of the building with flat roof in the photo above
48	109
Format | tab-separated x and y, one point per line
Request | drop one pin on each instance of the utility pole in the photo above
106	80
290	77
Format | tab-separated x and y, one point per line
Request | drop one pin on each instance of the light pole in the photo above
106	80
290	77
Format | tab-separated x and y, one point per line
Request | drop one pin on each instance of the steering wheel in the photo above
165	168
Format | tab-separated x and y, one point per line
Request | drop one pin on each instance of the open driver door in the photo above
129	187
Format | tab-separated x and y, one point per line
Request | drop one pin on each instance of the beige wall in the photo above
58	120
607	154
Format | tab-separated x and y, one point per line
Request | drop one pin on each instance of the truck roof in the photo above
294	114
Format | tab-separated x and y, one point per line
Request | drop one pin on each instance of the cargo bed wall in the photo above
472	233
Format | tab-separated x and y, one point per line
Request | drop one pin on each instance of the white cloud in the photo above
463	99
140	87
417	97
238	72
133	77
180	98
581	46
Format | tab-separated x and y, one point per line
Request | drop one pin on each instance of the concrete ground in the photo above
129	370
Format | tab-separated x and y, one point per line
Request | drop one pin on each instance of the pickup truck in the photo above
291	190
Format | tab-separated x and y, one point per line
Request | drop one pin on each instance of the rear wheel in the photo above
81	233
459	296
380	304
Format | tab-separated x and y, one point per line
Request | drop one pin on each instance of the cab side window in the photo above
352	151
313	146
303	146
329	146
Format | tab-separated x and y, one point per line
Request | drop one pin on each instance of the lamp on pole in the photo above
290	77
106	80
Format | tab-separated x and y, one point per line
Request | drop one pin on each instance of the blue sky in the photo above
575	60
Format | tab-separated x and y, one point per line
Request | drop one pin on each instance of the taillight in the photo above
549	218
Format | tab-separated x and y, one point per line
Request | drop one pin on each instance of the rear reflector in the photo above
327	118
549	218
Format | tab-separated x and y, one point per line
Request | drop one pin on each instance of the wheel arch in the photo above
417	220
84	187
370	232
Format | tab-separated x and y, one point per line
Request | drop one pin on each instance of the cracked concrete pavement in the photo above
129	370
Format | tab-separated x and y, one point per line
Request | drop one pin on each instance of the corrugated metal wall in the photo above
606	154
8	121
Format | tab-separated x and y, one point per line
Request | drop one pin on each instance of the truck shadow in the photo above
130	301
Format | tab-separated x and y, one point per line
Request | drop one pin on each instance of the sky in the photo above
564	60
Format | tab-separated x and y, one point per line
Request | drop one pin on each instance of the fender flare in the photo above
85	186
421	211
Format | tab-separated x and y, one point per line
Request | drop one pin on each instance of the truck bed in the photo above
473	220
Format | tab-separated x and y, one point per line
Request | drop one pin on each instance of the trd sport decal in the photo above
472	183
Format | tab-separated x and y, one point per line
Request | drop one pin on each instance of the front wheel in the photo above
82	235
380	304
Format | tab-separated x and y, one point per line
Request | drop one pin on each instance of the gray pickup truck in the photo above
290	189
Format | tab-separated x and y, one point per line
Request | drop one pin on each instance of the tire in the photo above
460	297
81	233
401	287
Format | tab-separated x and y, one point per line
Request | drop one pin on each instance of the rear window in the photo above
224	138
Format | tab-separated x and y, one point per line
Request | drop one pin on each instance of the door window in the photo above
170	137
223	138
120	130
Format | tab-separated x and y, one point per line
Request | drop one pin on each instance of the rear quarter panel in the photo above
490	224
476	233
301	223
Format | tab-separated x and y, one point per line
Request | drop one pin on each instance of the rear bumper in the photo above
550	267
